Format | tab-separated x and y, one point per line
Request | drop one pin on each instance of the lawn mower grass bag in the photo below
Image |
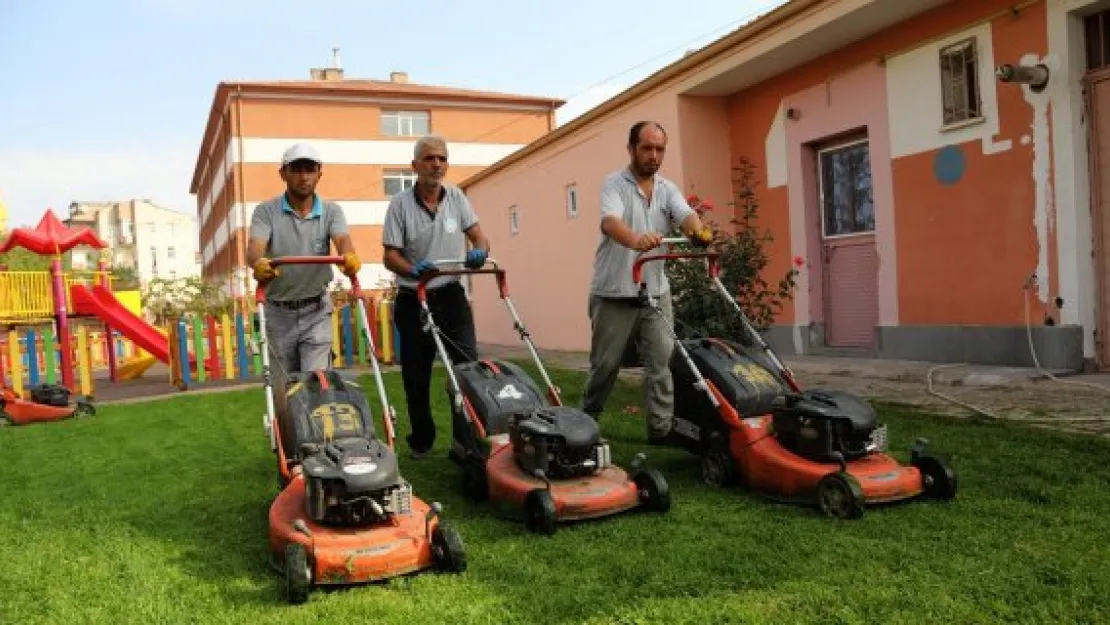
748	381
351	475
496	389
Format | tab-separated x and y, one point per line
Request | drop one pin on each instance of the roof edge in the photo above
224	91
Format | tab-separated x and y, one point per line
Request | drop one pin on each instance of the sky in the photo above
107	100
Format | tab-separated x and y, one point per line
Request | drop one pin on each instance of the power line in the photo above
727	27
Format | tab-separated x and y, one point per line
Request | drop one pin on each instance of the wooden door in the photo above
851	271
1098	106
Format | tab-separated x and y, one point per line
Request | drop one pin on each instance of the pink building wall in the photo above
854	101
550	261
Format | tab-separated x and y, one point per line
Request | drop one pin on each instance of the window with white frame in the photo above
959	82
396	181
171	253
514	220
404	123
572	200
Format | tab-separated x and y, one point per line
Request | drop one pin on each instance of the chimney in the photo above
335	72
399	77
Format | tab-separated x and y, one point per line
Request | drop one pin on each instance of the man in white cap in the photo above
299	223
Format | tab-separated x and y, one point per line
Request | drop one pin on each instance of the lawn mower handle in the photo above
422	281
712	257
260	292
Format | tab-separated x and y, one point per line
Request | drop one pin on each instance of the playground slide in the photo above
133	369
101	303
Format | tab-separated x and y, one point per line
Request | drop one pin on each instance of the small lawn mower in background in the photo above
534	458
744	414
344	514
47	402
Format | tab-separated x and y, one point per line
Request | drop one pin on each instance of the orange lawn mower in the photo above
744	414
47	402
344	514
534	458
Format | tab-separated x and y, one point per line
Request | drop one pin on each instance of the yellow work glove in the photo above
702	237
264	271
351	264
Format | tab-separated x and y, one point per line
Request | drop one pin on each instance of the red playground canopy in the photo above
51	237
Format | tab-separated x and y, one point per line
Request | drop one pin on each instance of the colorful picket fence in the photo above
224	348
33	355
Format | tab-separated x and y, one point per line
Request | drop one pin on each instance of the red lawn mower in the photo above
744	414
533	457
344	514
47	402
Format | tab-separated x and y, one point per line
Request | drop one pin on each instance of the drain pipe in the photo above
1036	76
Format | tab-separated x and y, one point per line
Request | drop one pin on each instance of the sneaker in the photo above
418	454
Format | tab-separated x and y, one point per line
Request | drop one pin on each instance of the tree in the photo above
20	259
167	300
699	308
125	278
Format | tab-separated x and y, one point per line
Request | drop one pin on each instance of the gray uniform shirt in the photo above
421	234
289	234
621	198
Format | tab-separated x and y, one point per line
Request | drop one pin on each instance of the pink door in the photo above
851	270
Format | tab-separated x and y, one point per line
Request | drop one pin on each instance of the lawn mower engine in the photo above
818	424
353	481
562	442
50	395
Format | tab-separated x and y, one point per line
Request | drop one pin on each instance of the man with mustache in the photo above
431	221
299	223
638	207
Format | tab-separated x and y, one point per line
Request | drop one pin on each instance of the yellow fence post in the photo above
17	362
229	347
84	371
335	335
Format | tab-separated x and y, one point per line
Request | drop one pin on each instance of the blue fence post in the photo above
183	351
32	357
241	339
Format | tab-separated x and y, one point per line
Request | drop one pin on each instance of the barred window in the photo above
959	82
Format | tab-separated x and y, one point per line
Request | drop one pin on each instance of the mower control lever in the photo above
460	263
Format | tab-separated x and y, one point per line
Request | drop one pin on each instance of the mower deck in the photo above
543	506
24	412
351	555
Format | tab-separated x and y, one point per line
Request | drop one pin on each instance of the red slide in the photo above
100	302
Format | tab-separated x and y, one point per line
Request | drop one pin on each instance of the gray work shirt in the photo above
288	234
422	234
622	198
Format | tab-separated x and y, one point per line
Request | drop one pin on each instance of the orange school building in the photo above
365	131
934	204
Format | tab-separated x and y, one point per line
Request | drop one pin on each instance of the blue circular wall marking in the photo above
949	165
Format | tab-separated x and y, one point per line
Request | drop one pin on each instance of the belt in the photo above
295	304
411	291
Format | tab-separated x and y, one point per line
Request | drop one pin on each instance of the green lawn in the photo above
156	513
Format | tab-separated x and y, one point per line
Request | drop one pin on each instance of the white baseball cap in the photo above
300	151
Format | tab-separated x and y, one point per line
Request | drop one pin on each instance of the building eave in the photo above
740	53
